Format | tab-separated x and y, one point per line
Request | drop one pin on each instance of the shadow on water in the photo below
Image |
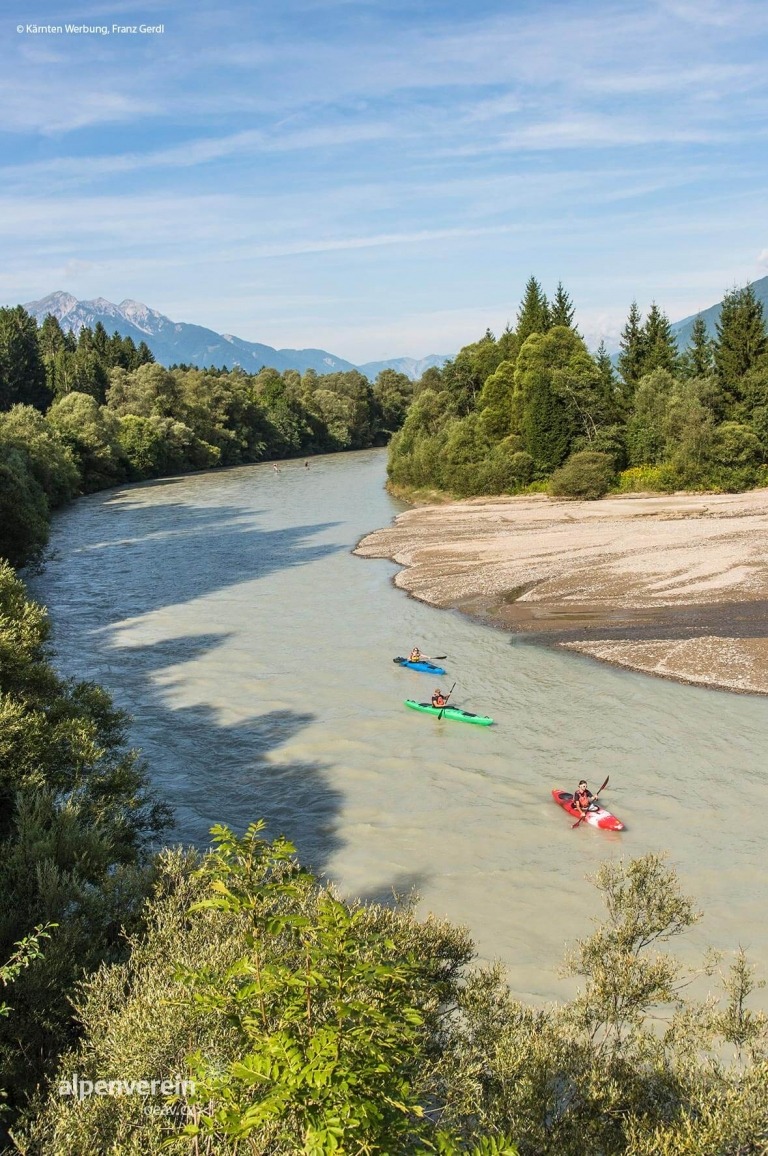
171	553
126	559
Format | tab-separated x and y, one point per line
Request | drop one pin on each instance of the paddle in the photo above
434	657
445	704
583	817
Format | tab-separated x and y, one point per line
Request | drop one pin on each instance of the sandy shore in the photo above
674	585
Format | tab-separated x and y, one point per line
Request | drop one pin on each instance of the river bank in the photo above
671	585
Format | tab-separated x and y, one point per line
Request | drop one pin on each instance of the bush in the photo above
23	510
638	479
587	474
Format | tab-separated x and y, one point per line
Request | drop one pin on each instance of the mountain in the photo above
407	365
176	342
682	329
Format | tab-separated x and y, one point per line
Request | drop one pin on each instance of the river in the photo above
226	612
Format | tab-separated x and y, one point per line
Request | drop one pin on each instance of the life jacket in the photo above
438	700
582	799
415	656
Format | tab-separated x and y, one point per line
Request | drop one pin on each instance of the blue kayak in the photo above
427	667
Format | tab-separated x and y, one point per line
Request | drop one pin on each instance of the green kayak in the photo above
450	712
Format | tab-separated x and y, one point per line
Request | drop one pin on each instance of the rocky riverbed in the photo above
673	585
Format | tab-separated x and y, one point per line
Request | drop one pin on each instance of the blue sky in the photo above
381	178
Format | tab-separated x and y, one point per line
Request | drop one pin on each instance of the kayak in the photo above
427	667
450	712
596	816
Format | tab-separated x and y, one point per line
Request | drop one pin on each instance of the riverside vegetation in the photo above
534	409
298	1022
79	415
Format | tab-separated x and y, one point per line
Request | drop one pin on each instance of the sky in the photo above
380	178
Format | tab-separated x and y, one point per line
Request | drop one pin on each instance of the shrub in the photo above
638	479
587	474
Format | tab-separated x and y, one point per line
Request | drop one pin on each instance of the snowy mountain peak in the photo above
174	342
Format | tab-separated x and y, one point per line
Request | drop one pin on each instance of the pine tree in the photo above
607	378
101	342
698	359
561	310
50	337
659	346
632	353
144	354
51	340
22	372
741	338
533	314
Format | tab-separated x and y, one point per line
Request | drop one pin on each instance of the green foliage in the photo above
632	356
495	402
625	974
698	359
561	310
23	509
639	479
309	1025
659	348
76	816
587	474
306	1024
91	433
50	461
393	393
741	340
645	427
22	372
631	1067
546	375
533	316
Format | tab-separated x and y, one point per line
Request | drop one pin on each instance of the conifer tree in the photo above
51	337
561	310
101	341
632	353
741	338
659	346
22	372
144	354
698	359
608	385
533	314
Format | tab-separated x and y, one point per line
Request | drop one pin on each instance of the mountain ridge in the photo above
179	342
681	330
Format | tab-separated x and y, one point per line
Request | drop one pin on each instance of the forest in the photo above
82	414
534	410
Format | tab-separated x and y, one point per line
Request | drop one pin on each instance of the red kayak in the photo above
596	816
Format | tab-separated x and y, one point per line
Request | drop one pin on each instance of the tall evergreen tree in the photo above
101	342
741	338
51	337
561	310
659	346
632	353
144	354
22	372
533	314
698	359
608	386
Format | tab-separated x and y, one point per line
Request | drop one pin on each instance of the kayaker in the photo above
438	698
415	655
583	797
